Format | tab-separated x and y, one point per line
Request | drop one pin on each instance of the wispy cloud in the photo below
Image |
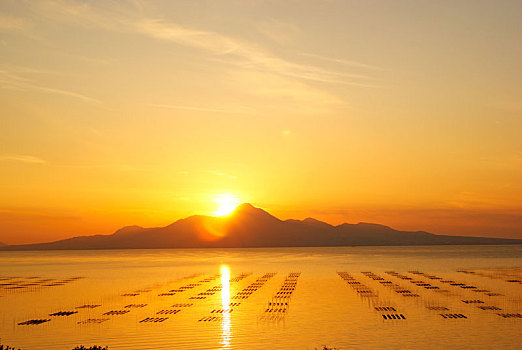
240	53
345	62
201	109
22	159
10	23
131	17
115	167
66	93
13	81
232	177
278	31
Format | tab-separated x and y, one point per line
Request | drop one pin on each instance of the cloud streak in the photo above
201	109
131	18
345	62
13	81
22	159
242	54
66	93
10	23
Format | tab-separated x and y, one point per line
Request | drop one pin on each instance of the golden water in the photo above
280	298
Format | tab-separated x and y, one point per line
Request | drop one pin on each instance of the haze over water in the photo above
278	298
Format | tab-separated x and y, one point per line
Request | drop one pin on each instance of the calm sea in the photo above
451	297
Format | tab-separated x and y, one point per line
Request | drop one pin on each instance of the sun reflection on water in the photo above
225	301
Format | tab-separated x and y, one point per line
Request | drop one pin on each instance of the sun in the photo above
226	203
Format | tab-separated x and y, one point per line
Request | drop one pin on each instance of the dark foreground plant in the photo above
94	347
7	347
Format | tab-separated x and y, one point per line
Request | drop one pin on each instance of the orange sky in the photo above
401	113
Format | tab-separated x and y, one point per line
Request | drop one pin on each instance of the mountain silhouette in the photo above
249	226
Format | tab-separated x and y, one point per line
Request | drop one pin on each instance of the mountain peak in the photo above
317	223
128	230
244	207
248	210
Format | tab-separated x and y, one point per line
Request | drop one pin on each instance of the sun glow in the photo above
226	204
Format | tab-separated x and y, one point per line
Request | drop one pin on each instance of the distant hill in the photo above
249	226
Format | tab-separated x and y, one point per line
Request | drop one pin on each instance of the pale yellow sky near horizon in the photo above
404	113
